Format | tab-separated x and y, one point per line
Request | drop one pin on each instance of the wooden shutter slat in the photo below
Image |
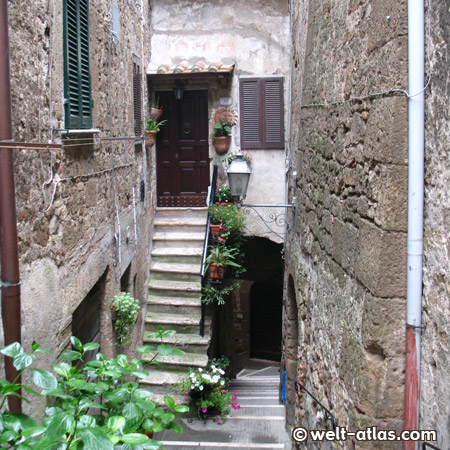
250	106
137	104
274	113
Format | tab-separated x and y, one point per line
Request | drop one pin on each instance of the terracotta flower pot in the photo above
216	271
216	229
155	113
222	143
151	138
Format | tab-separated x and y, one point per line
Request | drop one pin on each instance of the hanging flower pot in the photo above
222	143
151	138
216	271
155	113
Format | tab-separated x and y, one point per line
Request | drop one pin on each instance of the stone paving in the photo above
259	424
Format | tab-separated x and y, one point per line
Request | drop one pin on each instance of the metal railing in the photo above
210	200
328	415
426	445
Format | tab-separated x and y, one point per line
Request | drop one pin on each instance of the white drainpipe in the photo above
416	136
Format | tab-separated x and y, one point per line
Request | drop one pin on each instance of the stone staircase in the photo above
174	295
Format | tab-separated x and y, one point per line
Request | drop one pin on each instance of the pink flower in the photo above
204	410
186	392
218	422
235	392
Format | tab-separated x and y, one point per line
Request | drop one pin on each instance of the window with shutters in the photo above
137	102
77	81
262	113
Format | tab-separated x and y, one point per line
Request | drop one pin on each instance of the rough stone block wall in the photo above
347	252
435	368
80	214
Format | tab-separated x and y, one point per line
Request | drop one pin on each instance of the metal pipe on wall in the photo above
10	276
416	143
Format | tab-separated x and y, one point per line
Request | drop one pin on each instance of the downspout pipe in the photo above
10	277
416	143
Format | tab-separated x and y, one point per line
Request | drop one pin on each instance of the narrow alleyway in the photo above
258	424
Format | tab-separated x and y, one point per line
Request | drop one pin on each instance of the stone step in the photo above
174	363
179	255
178	235
182	212
180	221
176	305
175	272
191	343
168	288
182	324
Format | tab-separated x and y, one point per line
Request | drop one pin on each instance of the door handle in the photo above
187	128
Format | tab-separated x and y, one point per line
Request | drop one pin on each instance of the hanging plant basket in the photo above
222	143
151	138
217	271
155	113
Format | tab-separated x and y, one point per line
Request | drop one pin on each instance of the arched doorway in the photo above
266	299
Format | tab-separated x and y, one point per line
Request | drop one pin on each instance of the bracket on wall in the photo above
272	220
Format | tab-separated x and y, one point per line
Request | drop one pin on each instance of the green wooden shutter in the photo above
137	102
77	82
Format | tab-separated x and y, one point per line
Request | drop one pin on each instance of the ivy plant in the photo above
126	309
96	404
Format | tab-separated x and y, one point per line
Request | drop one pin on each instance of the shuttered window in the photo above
77	82
262	113
137	102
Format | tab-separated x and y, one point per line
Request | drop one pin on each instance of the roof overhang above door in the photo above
198	71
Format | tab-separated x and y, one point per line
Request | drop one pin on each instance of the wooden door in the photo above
182	155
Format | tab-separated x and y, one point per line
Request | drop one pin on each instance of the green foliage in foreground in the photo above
97	405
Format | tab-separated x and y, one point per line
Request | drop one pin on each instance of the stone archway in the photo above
291	343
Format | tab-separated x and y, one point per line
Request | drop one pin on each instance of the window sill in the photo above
77	132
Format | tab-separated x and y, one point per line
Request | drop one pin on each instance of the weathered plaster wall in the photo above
79	209
435	409
253	35
347	252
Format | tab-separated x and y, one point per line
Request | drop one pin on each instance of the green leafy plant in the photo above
97	404
153	124
126	308
215	295
221	255
233	220
223	194
222	363
215	214
221	129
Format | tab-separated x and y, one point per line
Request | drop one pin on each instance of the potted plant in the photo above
151	128
223	195
125	310
222	136
218	259
215	215
232	219
227	159
156	112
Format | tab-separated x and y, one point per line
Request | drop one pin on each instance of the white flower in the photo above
221	372
213	367
200	369
192	386
222	382
201	388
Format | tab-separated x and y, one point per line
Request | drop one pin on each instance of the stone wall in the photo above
253	35
83	211
346	255
435	409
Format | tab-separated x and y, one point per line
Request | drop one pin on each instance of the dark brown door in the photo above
182	156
